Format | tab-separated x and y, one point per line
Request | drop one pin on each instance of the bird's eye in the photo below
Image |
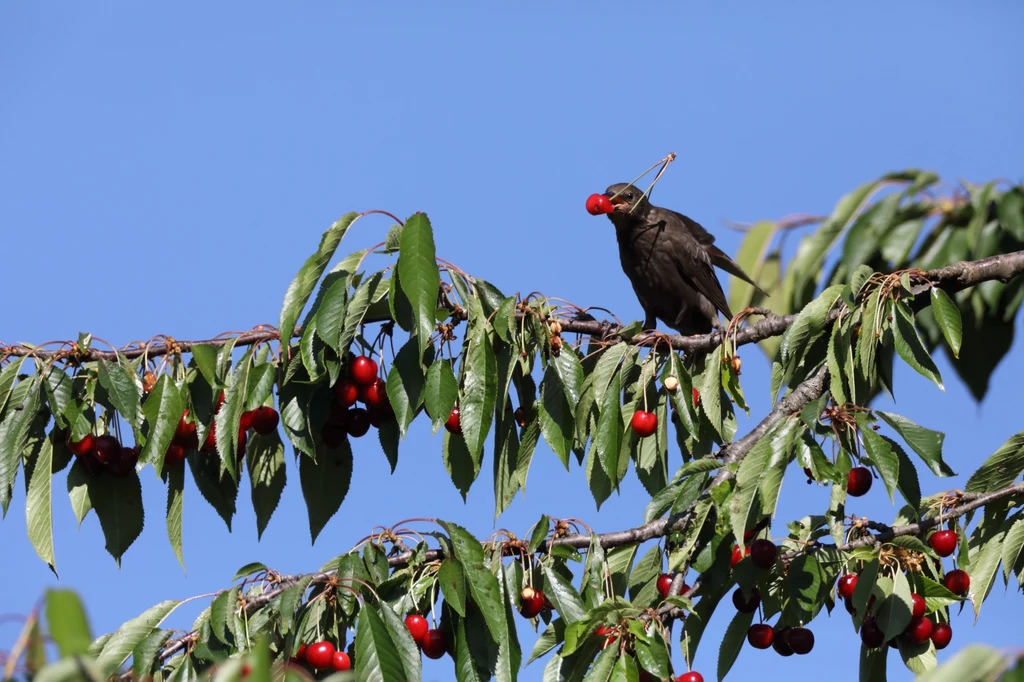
629	196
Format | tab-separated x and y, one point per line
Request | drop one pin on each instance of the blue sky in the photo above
167	169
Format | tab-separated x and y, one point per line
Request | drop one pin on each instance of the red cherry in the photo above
696	397
763	553
301	653
871	635
175	454
644	423
801	640
941	634
418	627
664	584
341	661
859	482
744	605
333	435
185	428
245	421
919	606
376	394
240	443
210	444
435	643
265	420
690	677
364	370
737	556
602	631
82	447
346	392
454	423
760	636
780	642
943	542
809	474
919	631
105	449
221	397
320	655
957	582
358	422
599	204
520	416
847	584
531	602
124	462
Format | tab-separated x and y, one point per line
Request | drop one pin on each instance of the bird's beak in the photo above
618	202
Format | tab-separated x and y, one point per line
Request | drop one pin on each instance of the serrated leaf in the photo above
1001	468
267	475
911	348
175	509
925	442
325	483
162	410
406	381
947	315
882	455
330	312
39	498
301	287
510	655
452	579
68	626
1012	545
974	663
8	375
556	421
808	326
118	504
418	275
748	479
610	430
479	393
372	290
563	596
377	657
732	642
121	644
895	610
14	432
119	381
441	392
214	484
483	585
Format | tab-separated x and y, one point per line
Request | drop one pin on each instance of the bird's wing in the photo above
718	257
695	266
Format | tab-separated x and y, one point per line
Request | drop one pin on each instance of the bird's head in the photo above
627	199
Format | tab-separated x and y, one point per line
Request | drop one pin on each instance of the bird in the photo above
670	260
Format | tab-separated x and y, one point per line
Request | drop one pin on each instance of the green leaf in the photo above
163	410
441	392
710	400
14	430
7	376
118	504
894	613
563	596
453	585
506	454
483	585
807	327
418	275
68	626
732	642
372	290
804	584
299	290
947	315
1002	467
974	663
882	455
214	484
1012	545
325	483
459	463
118	379
39	498
510	655
748	479
175	508
479	393
205	358
406	381
377	657
229	416
925	442
749	257
910	347
144	655
570	371
556	421
866	580
120	645
265	459
604	665
610	430
330	312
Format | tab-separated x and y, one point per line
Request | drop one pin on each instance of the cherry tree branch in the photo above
951	278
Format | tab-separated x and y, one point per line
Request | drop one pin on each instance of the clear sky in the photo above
166	168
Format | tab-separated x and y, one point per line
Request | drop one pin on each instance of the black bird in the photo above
670	259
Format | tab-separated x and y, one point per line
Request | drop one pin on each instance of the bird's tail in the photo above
722	260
